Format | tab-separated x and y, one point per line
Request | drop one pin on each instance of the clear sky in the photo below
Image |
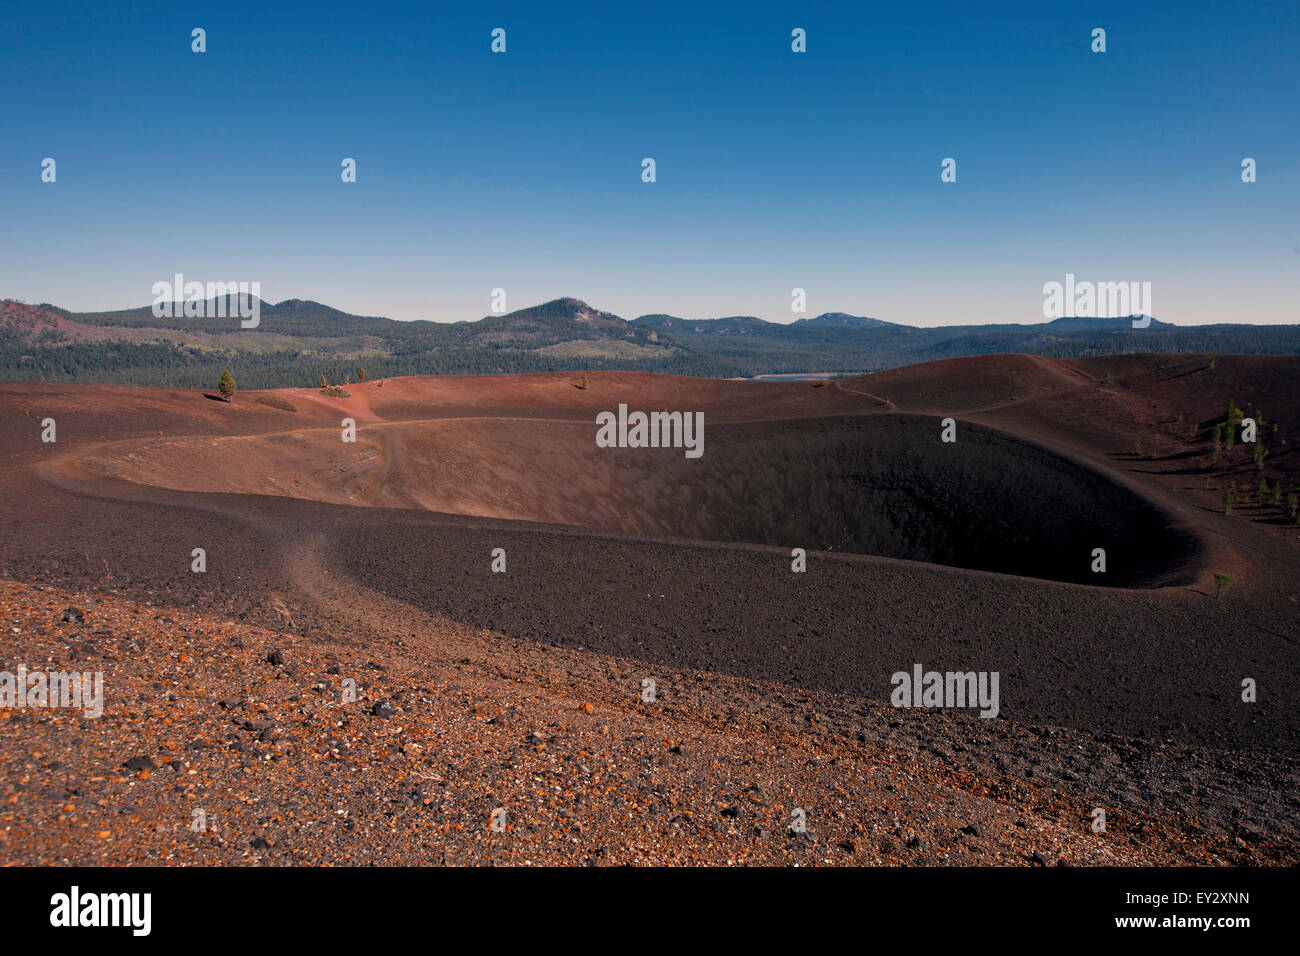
775	169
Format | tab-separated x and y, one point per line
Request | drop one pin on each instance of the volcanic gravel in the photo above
224	743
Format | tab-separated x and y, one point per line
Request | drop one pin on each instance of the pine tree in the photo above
226	386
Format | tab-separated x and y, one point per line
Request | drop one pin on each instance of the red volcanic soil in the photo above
1120	689
32	324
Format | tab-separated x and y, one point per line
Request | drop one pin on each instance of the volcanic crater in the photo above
882	484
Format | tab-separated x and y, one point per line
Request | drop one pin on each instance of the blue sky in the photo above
775	170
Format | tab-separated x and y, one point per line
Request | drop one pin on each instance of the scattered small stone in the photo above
383	708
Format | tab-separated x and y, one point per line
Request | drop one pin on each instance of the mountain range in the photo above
297	341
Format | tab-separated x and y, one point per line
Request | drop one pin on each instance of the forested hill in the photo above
298	341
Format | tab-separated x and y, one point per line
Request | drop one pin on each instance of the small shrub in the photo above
334	391
1223	581
275	401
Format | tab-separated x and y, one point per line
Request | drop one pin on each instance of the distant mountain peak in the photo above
568	302
1076	323
562	309
843	320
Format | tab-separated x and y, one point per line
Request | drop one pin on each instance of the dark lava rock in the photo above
971	829
1040	859
383	708
276	658
736	812
418	795
72	615
136	764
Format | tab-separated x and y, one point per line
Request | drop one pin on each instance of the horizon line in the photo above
719	318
